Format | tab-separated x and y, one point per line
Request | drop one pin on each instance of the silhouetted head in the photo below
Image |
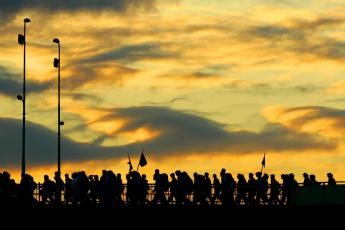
206	174
195	174
258	174
214	175
223	171
273	176
329	175
172	175
312	177
156	171
305	175
251	175
46	177
6	175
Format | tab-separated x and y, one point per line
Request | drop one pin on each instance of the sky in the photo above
199	85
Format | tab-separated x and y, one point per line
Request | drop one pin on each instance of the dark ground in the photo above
218	217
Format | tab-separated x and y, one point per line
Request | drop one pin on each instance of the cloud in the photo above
183	133
169	102
180	133
10	86
324	121
337	88
9	8
83	74
301	37
84	97
111	67
41	144
136	52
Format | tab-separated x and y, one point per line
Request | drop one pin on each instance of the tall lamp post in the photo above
22	41
60	123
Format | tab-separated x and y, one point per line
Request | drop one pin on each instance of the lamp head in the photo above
27	20
62	123
21	39
19	97
56	40
56	63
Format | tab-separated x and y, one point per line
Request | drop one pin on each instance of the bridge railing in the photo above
302	195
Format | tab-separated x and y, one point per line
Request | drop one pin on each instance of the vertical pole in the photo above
59	122
24	99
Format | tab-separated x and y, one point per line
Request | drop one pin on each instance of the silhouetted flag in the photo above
142	161
130	163
263	163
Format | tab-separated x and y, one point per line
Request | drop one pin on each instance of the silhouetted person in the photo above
59	187
285	189
197	195
216	188
160	186
331	180
173	188
306	181
263	189
259	187
75	189
207	188
292	185
47	190
102	187
27	187
9	192
222	175
94	184
242	188
274	190
68	195
313	181
119	190
83	188
228	188
252	188
184	187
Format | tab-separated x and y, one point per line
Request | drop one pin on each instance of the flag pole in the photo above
139	161
263	162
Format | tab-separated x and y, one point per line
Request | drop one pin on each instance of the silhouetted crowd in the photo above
180	189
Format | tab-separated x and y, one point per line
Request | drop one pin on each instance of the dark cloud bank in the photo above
9	8
181	133
10	84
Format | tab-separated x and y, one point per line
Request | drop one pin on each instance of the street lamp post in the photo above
22	41
60	123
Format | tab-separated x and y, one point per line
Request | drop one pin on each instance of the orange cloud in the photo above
324	121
